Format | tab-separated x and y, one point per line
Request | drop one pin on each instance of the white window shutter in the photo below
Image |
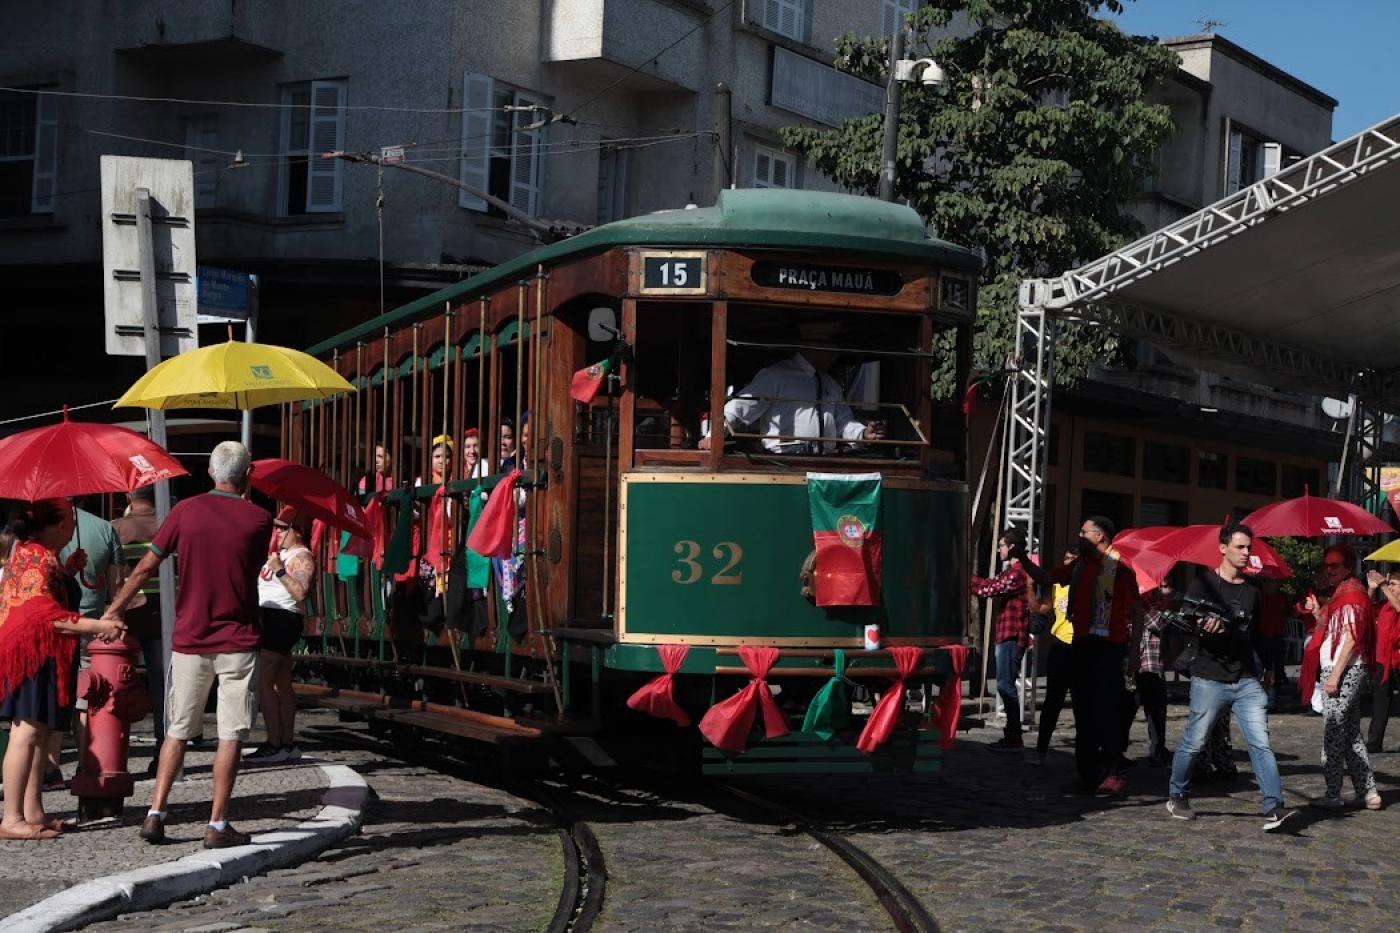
525	156
45	154
324	176
478	96
784	17
1232	163
1272	154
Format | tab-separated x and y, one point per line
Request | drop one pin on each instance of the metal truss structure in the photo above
1088	294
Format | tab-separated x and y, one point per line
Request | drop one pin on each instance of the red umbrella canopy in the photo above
311	491
1313	516
75	458
1153	552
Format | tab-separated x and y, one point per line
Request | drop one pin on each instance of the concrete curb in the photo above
157	885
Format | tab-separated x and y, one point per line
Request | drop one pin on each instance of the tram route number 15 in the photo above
728	554
664	273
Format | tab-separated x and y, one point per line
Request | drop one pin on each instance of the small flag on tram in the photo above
493	535
845	528
589	381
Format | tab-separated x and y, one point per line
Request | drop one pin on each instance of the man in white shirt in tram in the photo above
794	400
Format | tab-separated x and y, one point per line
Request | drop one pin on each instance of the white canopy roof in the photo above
1293	281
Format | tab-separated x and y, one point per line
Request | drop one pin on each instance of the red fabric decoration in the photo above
439	532
588	382
658	697
880	726
493	535
1387	640
948	707
728	722
372	548
969	401
28	639
1350	592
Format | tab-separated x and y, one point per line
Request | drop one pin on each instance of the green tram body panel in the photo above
714	559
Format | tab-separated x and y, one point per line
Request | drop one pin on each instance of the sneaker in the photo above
225	838
265	754
1275	818
1008	745
1179	808
1371	801
291	753
1328	803
1113	785
153	829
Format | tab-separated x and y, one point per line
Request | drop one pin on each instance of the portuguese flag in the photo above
589	381
845	525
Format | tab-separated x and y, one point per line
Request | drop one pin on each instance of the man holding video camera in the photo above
1222	609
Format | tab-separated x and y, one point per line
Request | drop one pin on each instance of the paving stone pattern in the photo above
265	799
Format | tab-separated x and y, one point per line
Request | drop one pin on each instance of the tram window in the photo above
671	374
771	361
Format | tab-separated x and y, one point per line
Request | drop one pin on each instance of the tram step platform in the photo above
806	753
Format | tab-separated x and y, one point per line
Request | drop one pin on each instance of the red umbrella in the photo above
75	458
1312	516
313	492
1153	552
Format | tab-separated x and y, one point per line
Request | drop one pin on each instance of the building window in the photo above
1166	463
612	185
1212	470
773	169
313	122
1116	507
1299	479
202	149
28	153
785	17
501	145
1110	453
1154	511
895	12
1259	477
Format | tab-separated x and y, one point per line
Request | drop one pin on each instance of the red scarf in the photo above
1387	640
1349	592
28	640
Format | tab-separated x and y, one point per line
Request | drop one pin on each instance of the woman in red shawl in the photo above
1339	654
38	650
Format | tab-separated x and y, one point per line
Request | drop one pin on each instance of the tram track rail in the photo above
584	886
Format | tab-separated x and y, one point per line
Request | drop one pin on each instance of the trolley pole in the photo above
891	142
250	334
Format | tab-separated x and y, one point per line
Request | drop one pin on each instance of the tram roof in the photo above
1293	281
755	218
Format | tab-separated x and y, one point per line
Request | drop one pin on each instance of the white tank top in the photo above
272	593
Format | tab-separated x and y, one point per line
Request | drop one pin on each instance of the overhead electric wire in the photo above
265	105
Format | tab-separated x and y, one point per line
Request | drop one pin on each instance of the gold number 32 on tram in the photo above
691	570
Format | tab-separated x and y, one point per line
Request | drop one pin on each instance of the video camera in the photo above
1191	615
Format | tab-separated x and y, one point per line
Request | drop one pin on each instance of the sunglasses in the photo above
280	527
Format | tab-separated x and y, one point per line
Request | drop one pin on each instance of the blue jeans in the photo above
1247	700
1009	655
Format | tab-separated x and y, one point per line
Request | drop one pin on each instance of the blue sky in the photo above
1349	49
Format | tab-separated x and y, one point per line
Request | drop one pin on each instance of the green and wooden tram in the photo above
635	532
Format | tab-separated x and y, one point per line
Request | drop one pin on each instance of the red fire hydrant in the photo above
117	697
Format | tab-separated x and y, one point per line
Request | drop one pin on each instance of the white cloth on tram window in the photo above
271	591
783	399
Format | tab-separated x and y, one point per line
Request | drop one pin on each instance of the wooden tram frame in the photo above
408	361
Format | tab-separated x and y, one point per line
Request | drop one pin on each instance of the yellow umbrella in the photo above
1389	551
234	375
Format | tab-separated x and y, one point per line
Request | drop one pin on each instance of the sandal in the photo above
56	824
27	833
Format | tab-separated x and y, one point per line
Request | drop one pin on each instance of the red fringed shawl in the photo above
728	722
658	697
880	726
1350	594
28	640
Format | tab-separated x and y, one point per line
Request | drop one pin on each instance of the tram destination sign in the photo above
801	276
673	272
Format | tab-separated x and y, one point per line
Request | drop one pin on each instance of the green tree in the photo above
1029	149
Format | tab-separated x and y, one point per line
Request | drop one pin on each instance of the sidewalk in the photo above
293	811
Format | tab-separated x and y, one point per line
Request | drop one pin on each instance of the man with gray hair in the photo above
222	539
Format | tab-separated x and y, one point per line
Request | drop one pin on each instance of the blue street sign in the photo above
222	295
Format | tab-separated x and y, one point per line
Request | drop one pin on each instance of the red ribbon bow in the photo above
728	722
880	726
948	707
658	697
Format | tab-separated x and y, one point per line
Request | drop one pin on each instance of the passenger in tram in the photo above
380	479
797	398
506	451
472	465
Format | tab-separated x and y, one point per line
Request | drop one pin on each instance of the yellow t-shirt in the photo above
1062	628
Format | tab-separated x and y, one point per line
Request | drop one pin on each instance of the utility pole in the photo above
150	315
891	144
724	136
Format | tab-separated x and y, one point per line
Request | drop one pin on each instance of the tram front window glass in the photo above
671	374
869	368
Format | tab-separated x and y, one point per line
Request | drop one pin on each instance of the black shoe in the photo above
153	829
1373	748
1275	818
1180	809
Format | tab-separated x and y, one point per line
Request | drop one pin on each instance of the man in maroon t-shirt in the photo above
221	539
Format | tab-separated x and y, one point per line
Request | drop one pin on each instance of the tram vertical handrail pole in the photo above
890	146
719	333
449	514
487	431
532	529
493	417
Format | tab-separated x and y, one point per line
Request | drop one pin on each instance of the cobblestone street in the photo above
990	844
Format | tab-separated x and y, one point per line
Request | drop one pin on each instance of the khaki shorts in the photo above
191	677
